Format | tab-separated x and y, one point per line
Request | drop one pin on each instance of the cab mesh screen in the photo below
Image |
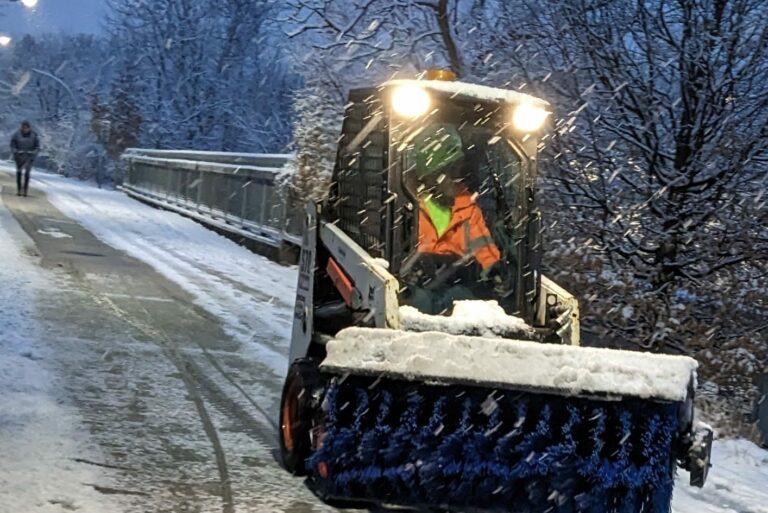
359	189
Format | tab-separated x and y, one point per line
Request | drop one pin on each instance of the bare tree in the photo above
212	75
656	163
661	141
378	38
48	80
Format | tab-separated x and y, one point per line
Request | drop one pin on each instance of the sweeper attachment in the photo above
433	366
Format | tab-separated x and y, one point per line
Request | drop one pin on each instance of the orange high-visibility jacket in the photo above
467	233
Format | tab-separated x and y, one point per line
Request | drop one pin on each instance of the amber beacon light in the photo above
440	74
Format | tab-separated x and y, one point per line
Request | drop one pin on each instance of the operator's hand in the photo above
492	273
493	277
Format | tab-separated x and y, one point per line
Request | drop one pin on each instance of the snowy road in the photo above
141	358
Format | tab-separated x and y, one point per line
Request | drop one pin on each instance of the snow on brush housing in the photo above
440	354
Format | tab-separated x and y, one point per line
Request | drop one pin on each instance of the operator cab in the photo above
437	179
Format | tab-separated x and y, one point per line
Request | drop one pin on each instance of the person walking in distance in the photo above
25	145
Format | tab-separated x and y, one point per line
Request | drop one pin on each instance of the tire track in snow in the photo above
183	365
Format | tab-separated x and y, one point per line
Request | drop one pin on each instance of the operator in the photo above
450	222
453	233
25	145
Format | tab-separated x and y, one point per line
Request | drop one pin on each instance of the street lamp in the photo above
30	4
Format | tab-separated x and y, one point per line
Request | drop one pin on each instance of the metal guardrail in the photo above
274	161
238	193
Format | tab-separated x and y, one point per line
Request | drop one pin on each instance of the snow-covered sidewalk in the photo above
40	437
250	294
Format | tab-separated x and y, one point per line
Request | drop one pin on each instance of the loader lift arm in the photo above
375	288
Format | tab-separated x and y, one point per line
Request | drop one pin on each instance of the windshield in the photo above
463	178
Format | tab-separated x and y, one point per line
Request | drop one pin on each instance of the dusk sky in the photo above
70	16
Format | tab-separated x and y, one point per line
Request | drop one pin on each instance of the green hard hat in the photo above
436	146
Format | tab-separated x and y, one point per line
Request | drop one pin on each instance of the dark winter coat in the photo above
25	147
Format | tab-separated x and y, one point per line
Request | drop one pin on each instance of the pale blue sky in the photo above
70	16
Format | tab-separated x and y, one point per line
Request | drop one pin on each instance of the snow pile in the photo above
476	318
475	91
567	370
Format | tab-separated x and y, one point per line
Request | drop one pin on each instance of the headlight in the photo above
5	40
410	101
528	118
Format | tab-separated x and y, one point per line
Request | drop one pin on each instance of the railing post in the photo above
168	179
244	203
227	197
199	186
263	214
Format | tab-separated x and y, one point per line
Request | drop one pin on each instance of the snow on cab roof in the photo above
474	91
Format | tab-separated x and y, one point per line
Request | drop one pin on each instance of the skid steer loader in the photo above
432	364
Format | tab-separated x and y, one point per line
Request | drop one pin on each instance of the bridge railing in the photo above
243	194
